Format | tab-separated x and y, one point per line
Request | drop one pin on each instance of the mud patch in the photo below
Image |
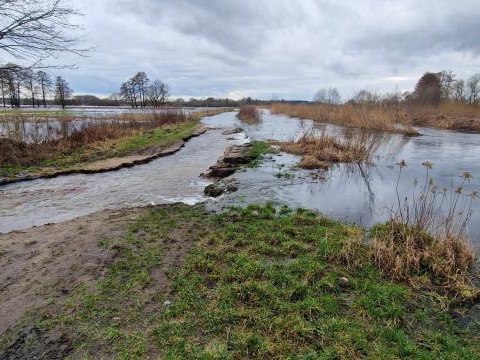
33	343
41	265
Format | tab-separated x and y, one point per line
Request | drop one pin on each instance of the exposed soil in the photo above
231	160
42	264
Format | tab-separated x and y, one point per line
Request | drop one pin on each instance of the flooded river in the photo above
361	195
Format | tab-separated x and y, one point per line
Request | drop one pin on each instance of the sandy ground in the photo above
41	265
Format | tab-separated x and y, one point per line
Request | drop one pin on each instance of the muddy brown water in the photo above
349	193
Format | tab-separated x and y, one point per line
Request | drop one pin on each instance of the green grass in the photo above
258	283
37	113
258	150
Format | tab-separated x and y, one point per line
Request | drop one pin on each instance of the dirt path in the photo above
42	264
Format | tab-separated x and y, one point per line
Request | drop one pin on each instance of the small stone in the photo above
167	303
232	188
343	282
213	190
232	131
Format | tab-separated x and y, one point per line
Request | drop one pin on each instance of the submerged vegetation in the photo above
249	114
258	283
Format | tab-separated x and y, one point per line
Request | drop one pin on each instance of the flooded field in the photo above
359	194
47	124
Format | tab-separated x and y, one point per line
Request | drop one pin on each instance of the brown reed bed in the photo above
320	151
249	114
457	116
375	117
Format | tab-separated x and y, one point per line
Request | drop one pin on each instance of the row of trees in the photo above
433	88
138	91
430	89
327	96
38	86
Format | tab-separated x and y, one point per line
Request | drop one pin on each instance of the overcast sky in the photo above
274	48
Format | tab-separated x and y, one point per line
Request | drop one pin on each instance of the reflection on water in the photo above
170	179
33	127
360	194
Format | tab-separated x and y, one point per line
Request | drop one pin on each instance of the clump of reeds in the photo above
378	117
425	240
320	151
249	114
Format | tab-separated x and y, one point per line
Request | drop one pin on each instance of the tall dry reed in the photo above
378	117
425	239
249	114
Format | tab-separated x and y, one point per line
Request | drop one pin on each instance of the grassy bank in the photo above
131	134
252	283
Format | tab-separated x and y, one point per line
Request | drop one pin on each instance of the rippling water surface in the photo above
362	195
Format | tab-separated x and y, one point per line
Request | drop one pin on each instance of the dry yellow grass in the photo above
249	114
320	151
410	254
372	117
449	115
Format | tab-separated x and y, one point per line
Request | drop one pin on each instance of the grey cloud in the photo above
284	48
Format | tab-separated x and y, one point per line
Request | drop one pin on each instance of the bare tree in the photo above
45	83
62	91
30	83
115	98
140	81
447	81
128	93
473	85
36	29
157	93
459	90
365	97
4	76
327	96
12	74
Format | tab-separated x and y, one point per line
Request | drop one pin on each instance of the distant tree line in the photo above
431	89
36	87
